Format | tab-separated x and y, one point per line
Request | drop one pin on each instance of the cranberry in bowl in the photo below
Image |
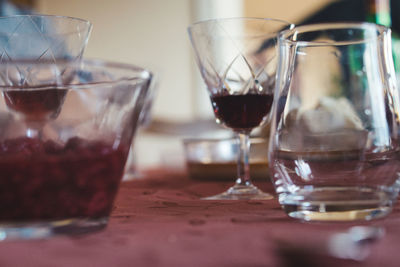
65	134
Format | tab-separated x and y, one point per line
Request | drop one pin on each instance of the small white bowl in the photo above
216	159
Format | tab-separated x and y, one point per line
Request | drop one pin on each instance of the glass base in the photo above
338	204
241	192
43	230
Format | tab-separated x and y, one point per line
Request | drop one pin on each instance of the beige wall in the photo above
152	33
289	10
149	33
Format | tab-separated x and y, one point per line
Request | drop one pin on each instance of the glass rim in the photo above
86	22
200	140
285	36
207	21
139	74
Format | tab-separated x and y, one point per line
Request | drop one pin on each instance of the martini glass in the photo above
237	58
33	39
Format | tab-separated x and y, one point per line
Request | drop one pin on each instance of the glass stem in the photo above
34	130
243	167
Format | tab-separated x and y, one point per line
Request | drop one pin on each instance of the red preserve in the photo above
43	180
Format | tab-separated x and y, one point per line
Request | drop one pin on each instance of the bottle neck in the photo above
378	11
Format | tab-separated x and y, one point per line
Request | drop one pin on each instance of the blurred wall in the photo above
152	33
290	10
149	33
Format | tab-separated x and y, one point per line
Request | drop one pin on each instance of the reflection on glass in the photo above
334	140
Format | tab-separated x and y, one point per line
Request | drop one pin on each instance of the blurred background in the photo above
152	34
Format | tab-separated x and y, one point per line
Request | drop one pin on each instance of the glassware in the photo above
237	60
334	146
65	181
132	171
43	37
216	158
379	12
39	38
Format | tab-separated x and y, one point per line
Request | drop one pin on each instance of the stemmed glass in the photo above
34	39
237	59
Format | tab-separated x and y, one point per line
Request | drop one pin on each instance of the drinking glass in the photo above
237	60
43	37
65	181
334	143
39	38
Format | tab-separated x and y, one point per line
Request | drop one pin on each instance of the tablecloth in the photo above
160	220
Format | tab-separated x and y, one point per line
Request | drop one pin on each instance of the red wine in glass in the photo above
37	104
238	56
242	112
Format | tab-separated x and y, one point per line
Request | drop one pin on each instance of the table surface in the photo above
159	220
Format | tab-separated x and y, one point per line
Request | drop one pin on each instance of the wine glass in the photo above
33	39
237	59
334	141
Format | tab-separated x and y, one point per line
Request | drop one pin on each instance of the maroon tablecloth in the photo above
160	221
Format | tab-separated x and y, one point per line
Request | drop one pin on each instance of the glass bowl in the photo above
65	134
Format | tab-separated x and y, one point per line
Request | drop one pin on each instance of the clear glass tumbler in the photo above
66	179
334	144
